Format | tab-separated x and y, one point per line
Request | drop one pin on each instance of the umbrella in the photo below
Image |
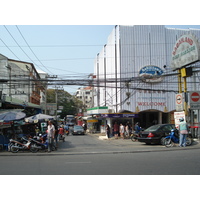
12	115
38	117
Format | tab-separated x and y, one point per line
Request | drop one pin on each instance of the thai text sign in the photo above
185	52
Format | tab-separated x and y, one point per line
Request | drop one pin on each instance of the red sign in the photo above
195	97
179	98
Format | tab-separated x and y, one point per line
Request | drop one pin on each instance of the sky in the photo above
64	50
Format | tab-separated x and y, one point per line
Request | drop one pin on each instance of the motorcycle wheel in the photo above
14	149
133	138
33	148
168	142
188	141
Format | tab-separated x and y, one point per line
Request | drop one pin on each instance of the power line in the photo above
31	49
20	46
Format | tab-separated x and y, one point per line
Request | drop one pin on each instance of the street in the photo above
87	155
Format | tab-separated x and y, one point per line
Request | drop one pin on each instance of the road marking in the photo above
78	162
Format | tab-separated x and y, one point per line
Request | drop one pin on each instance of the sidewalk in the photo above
115	146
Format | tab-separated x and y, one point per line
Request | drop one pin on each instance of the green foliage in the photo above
70	103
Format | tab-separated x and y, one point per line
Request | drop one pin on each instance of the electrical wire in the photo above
32	50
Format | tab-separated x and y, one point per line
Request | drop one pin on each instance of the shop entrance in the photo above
148	119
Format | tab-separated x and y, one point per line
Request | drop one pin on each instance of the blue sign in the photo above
151	73
119	115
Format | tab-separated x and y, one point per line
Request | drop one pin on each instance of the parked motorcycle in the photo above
134	136
40	143
23	144
173	138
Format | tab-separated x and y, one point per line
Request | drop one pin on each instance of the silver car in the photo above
78	130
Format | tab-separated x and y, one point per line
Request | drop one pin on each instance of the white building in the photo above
129	70
86	96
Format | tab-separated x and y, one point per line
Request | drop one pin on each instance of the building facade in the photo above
133	72
86	96
20	85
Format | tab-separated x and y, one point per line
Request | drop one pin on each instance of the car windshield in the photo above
152	128
78	128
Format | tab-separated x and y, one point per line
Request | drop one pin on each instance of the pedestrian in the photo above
183	130
121	130
108	130
85	127
126	132
116	130
50	135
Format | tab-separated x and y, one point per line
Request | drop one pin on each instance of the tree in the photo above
69	102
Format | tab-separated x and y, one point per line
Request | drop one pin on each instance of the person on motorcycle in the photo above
60	132
183	129
137	128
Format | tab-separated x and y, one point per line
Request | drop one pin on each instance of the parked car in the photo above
155	134
78	130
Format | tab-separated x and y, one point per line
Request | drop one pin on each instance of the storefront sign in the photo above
186	51
116	115
151	74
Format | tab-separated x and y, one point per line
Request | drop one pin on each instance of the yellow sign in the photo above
92	120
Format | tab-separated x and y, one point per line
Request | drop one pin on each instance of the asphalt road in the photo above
147	163
86	155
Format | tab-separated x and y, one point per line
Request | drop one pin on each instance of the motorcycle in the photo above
61	137
134	136
40	143
173	139
23	144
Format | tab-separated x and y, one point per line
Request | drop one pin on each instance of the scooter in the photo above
61	137
173	139
15	145
40	144
134	136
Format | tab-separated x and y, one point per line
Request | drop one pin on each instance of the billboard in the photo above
186	51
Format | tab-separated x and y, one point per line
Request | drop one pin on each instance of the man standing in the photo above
50	135
183	130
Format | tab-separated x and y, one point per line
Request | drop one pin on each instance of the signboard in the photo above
194	97
186	51
177	116
151	73
179	102
117	115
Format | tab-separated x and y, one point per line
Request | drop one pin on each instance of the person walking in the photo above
116	130
126	133
50	135
121	130
108	130
183	130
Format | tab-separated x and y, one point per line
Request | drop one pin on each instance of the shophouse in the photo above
20	85
134	73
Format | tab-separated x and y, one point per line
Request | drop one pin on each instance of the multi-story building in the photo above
134	73
86	96
20	86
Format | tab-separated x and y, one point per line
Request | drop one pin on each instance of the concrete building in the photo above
86	96
20	86
134	73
